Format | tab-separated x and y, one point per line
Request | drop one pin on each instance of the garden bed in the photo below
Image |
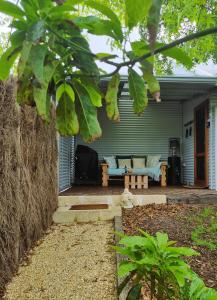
181	222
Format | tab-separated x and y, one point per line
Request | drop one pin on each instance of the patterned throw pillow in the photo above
138	162
152	161
111	161
124	162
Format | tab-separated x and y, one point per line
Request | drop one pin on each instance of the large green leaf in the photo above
178	54
111	98
7	60
138	91
136	11
135	292
96	25
89	125
38	53
24	57
152	82
67	89
95	96
66	120
36	31
17	38
83	57
105	10
41	97
125	268
30	8
140	48
11	9
133	241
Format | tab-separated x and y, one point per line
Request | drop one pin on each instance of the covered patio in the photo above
178	116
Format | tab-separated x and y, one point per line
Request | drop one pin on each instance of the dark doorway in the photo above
201	144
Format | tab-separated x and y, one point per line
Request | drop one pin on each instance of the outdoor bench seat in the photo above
157	173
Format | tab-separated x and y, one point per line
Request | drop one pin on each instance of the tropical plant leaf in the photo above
111	98
7	60
178	54
136	11
36	31
66	120
95	25
65	88
30	9
125	268
162	239
105	10
41	98
89	125
132	241
38	53
83	58
135	292
138	91
152	82
140	48
11	9
24	57
95	96
182	251
17	38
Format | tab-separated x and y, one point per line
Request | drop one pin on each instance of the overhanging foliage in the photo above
57	66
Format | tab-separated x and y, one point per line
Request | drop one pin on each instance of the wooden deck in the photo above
174	194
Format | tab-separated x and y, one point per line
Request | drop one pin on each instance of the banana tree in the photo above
55	65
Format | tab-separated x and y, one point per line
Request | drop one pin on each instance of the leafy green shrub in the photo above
155	261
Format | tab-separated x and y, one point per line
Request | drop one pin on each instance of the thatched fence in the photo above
28	180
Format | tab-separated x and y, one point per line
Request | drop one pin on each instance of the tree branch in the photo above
163	48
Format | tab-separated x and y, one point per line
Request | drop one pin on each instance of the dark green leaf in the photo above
38	53
111	98
105	10
36	32
66	120
89	125
138	91
83	58
17	38
11	9
7	60
30	9
136	11
125	268
96	25
135	292
41	98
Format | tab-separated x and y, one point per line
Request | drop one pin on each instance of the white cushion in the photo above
111	161
138	163
153	161
124	162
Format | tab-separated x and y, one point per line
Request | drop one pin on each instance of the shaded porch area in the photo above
174	194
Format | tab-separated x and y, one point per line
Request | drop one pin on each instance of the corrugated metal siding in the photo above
212	143
146	134
72	166
65	162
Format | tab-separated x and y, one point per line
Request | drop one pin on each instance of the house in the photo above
187	112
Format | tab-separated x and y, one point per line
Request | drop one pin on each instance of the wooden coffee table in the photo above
135	181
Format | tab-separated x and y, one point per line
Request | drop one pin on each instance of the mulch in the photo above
177	220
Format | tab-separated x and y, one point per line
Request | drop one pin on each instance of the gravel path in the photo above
72	262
